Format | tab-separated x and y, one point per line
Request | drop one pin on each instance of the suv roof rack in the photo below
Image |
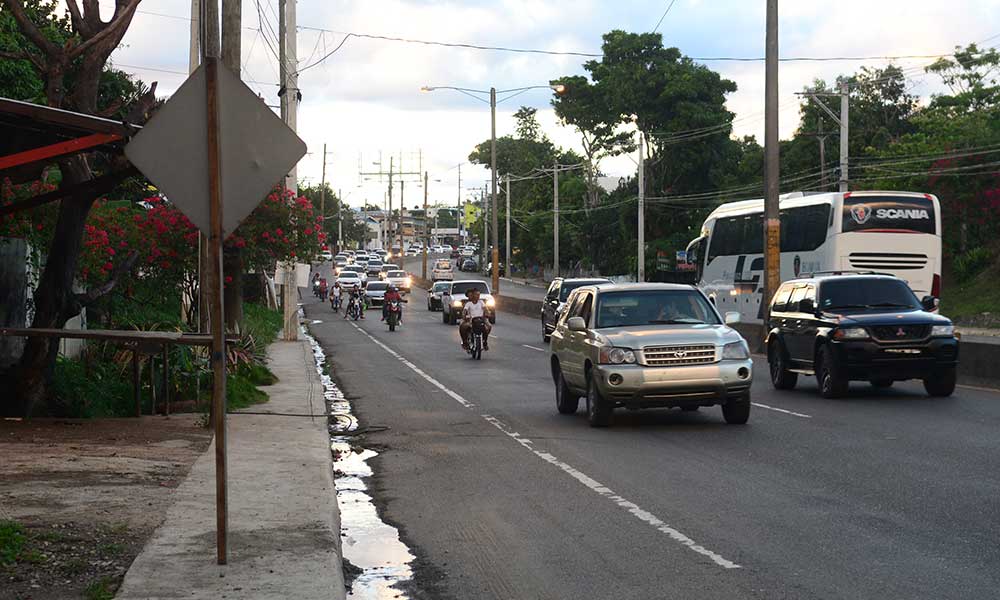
843	272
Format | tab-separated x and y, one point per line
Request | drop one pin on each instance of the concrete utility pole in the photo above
507	179
460	212
495	255
194	60
399	221
427	232
772	170
340	220
288	74
641	225
388	217
555	220
844	148
194	53
486	232
322	195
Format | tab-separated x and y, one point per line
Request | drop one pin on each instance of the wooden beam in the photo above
67	118
58	149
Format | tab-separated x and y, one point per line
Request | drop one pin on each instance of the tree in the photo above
353	229
71	64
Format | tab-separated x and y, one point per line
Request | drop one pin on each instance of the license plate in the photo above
903	351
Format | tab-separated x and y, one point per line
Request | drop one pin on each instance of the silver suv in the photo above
645	346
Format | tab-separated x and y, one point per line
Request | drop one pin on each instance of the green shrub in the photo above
262	323
242	393
12	540
93	390
972	263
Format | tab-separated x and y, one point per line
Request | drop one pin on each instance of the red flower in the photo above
108	266
229	279
110	250
39	227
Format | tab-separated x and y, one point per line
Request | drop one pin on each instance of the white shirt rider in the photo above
474	309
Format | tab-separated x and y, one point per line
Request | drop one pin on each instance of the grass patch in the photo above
262	323
100	589
12	539
242	393
966	302
259	375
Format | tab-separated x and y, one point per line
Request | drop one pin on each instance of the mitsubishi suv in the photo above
847	326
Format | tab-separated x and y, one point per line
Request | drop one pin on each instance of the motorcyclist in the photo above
391	293
356	296
322	289
475	307
335	295
315	284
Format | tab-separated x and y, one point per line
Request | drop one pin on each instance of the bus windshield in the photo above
889	213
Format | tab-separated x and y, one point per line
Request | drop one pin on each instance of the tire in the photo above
942	383
881	383
737	412
392	327
832	383
781	377
567	402
598	410
493	320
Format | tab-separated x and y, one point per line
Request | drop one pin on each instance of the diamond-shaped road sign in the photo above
256	149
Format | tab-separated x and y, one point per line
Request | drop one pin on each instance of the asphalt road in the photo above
884	494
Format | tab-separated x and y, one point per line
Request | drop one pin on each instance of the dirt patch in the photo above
87	494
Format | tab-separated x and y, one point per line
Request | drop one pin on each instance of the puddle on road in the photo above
369	544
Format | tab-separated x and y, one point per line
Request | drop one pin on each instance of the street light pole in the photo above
493	177
427	236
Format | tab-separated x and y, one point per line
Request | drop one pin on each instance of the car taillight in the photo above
936	286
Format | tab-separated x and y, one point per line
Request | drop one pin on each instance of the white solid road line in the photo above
781	410
591	484
533	348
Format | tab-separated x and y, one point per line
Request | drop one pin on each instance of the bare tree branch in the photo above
29	29
92	12
113	31
79	23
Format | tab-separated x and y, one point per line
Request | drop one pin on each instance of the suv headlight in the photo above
490	302
616	356
736	351
943	330
851	333
457	304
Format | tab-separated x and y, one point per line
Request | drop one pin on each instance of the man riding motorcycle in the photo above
335	296
356	296
315	284
391	293
475	307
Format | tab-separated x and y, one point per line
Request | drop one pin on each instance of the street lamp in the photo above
558	89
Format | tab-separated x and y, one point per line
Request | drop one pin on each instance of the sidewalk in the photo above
284	524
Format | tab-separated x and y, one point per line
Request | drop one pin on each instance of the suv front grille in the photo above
671	356
899	333
887	261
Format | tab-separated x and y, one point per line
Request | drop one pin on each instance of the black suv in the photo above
555	299
846	327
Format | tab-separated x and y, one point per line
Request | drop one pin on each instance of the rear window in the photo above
568	287
459	289
653	307
889	213
866	294
443	265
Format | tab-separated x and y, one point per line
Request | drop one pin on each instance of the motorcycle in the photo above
393	313
476	338
353	310
316	288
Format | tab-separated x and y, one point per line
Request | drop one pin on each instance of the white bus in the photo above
886	232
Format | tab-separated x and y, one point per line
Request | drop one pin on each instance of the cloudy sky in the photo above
364	98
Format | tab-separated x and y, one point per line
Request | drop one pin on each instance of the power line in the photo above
663	16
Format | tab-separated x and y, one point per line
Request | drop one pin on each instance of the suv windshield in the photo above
396	274
569	286
440	287
866	294
459	289
654	307
377	286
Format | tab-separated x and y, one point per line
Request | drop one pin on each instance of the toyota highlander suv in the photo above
454	297
648	345
845	326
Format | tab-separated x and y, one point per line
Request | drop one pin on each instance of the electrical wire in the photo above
663	16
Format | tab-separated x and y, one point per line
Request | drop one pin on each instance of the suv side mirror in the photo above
732	317
929	303
576	324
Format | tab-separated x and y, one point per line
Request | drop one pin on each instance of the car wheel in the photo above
598	410
942	383
781	377
832	383
881	383
737	412
566	401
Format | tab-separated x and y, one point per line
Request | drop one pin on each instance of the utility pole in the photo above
427	232
460	213
322	195
555	220
821	136
194	60
340	220
641	248
486	233
507	180
844	148
495	255
289	90
772	172
388	217
399	221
